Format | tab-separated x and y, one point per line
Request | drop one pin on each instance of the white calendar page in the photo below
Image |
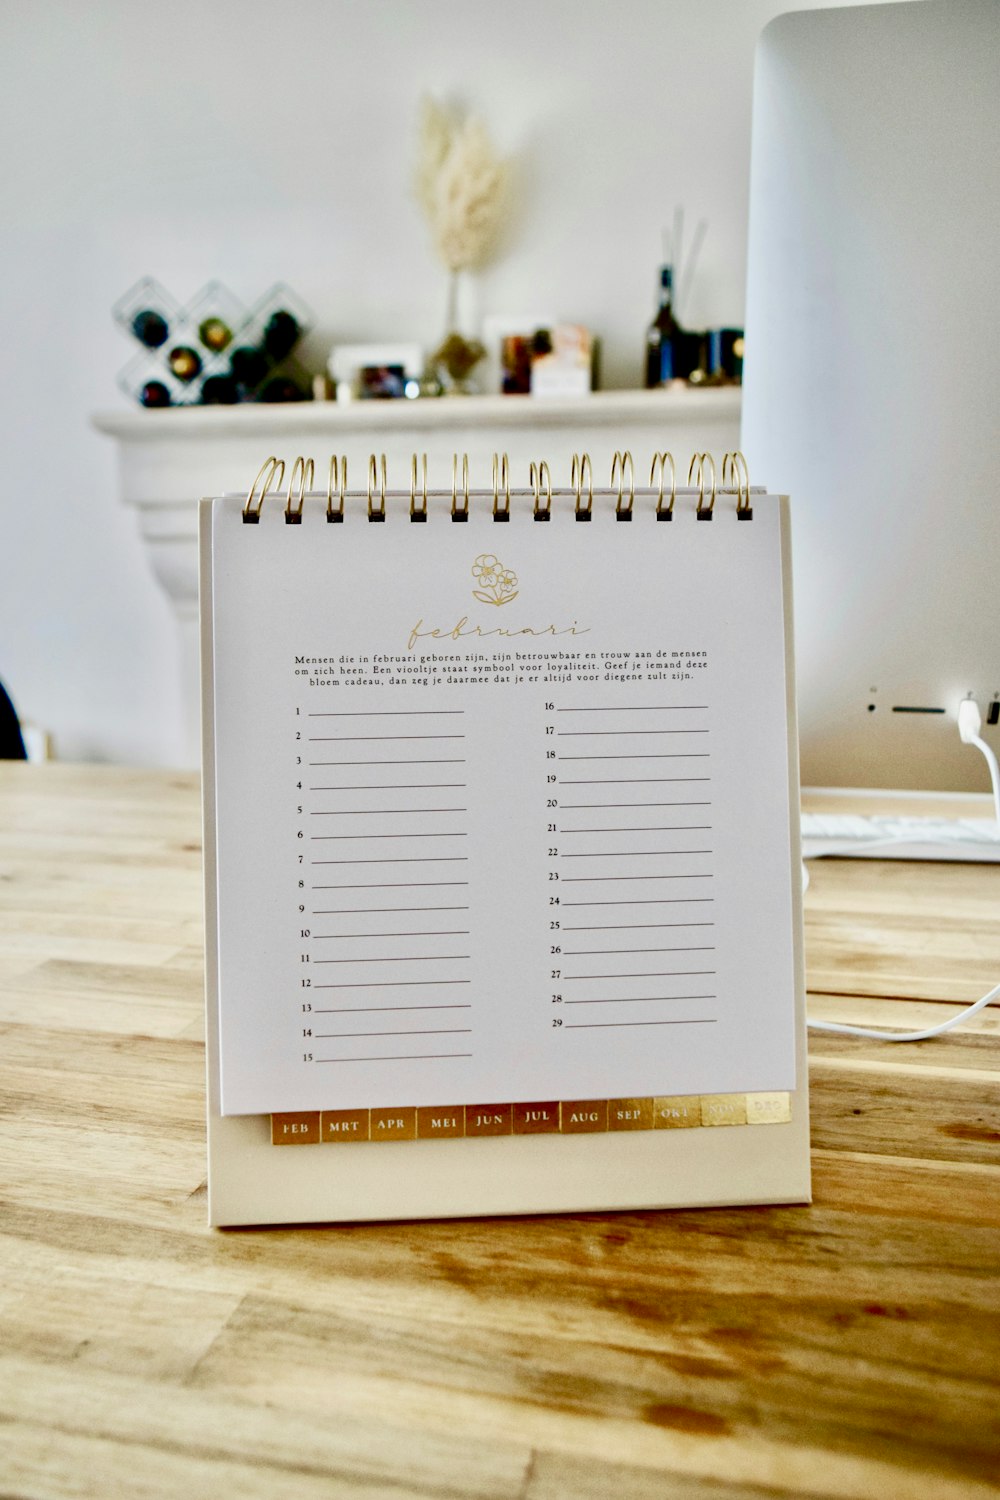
502	811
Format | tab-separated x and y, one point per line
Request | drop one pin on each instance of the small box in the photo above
562	361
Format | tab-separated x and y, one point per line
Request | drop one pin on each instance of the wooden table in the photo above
847	1349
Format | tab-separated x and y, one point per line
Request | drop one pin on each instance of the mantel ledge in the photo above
602	408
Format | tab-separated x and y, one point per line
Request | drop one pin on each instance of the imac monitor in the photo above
871	380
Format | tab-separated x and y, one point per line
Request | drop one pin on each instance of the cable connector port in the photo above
970	721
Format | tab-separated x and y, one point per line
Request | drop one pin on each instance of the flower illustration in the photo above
497	584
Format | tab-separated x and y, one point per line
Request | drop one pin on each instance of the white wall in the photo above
255	141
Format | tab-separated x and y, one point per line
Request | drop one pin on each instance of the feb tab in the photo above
295	1130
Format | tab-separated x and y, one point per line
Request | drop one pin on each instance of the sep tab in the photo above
630	1114
295	1130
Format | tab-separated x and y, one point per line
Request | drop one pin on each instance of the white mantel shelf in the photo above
169	459
601	409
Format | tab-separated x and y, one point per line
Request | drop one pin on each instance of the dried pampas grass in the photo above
461	185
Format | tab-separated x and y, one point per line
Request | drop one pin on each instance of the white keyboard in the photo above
886	837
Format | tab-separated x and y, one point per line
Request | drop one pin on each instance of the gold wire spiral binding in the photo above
581	473
704	511
336	480
744	512
501	478
456	514
271	468
415	514
376	478
735	465
623	512
660	461
701	475
303	470
539	475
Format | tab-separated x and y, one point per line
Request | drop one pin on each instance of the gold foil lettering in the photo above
630	1114
295	1129
440	1124
344	1125
463	629
536	1119
394	1124
724	1109
677	1112
769	1109
584	1116
488	1119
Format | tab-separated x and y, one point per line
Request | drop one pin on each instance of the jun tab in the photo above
489	1119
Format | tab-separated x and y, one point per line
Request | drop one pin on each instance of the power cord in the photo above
969	724
906	1036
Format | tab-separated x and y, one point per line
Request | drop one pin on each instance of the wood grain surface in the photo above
847	1349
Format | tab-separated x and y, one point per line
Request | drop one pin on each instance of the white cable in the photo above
969	725
907	1036
858	848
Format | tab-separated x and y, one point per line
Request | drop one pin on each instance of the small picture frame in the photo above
380	382
364	372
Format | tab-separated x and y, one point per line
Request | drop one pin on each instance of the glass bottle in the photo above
660	335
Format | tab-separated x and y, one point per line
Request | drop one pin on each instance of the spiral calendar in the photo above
501	843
